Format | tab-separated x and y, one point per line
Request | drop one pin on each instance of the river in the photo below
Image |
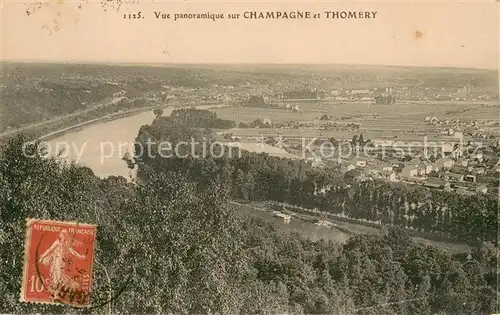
101	146
305	228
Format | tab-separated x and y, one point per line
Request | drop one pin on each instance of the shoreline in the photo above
119	115
106	118
354	227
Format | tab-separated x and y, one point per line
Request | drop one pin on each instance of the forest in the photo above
256	176
169	244
201	118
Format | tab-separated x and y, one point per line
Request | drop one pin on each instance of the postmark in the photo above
58	262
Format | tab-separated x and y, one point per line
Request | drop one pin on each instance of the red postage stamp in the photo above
58	262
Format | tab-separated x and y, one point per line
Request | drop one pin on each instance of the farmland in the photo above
404	122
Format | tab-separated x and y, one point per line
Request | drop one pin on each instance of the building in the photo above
385	99
409	171
447	148
429	167
457	153
390	175
286	217
444	163
421	169
361	163
386	168
436	183
454	177
478	156
470	178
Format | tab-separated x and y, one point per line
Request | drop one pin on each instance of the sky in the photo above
438	33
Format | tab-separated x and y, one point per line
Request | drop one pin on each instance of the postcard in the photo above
249	157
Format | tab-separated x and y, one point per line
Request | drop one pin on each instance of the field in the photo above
34	93
404	122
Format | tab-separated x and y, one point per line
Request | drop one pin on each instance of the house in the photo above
390	175
362	178
361	163
421	169
394	177
286	217
387	168
429	167
409	171
470	178
323	190
478	156
458	169
464	162
350	167
398	167
454	177
446	148
457	153
444	163
482	189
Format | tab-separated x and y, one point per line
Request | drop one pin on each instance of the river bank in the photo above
122	114
58	126
339	229
100	144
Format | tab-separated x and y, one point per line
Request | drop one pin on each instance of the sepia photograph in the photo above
239	157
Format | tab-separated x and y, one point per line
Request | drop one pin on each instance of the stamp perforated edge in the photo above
29	222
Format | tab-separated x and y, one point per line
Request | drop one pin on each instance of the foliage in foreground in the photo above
176	247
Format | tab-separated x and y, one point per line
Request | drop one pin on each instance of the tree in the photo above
354	140
361	140
158	112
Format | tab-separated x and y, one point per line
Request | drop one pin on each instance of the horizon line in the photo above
134	63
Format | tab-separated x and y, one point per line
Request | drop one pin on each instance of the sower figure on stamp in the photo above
58	256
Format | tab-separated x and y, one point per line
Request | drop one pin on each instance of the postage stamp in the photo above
58	262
